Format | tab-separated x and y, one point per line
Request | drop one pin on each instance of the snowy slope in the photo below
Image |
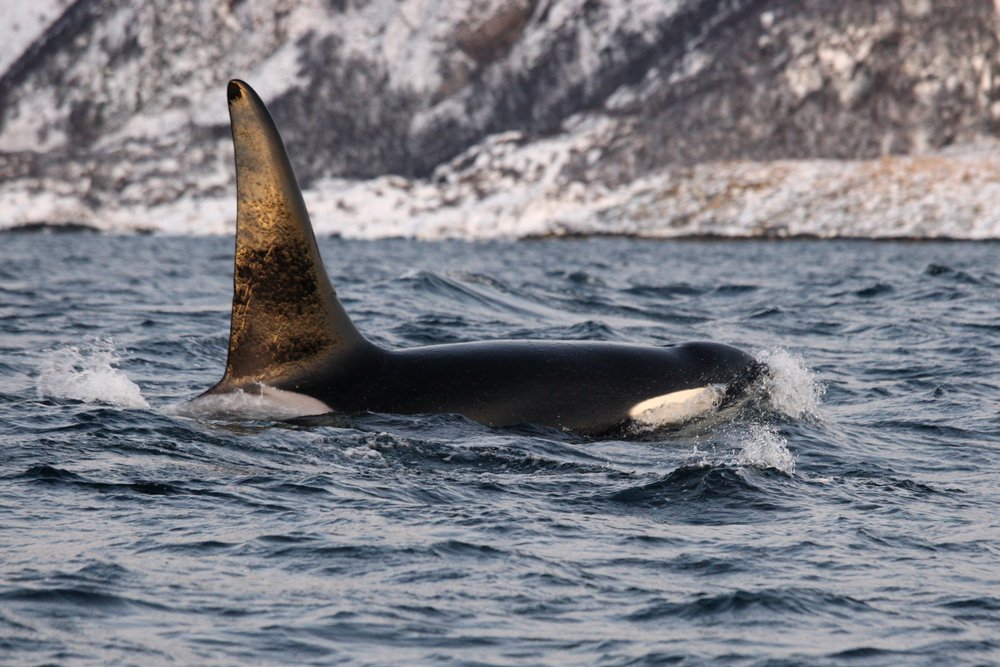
480	118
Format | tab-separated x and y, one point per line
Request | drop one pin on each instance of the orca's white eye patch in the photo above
677	407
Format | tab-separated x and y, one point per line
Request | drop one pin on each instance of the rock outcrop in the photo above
115	111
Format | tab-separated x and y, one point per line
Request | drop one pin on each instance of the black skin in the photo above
289	330
584	387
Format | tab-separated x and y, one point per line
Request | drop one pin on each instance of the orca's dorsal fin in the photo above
286	317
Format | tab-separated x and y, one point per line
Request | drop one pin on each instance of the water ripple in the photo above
846	514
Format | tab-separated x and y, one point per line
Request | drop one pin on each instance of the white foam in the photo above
364	453
792	389
88	374
764	448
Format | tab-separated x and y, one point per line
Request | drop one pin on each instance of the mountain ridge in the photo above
115	109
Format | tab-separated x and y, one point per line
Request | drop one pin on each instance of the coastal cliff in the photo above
482	118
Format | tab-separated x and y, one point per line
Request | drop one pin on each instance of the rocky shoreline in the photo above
948	195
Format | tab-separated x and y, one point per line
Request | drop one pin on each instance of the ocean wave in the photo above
696	483
756	603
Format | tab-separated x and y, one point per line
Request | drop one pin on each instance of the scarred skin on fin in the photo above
291	336
286	317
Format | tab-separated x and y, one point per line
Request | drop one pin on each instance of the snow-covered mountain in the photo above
480	118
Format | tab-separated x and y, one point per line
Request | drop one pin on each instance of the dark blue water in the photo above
862	527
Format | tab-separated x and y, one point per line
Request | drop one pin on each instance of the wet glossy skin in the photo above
291	333
586	387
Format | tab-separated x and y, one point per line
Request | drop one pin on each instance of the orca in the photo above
292	344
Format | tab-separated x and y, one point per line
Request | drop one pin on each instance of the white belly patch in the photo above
257	402
677	407
294	404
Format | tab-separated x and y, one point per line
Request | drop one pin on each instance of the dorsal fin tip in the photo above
235	89
285	314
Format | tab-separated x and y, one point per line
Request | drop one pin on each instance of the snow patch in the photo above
508	187
23	23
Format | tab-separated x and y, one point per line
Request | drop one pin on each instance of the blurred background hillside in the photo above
483	118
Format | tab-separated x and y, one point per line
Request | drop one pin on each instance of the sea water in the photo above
850	517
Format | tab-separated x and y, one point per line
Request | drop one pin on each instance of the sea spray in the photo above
764	447
87	373
792	389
